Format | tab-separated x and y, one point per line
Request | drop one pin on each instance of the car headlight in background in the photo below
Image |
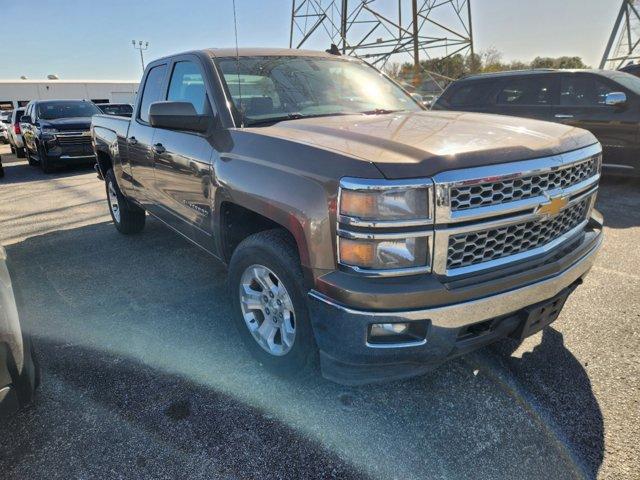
385	226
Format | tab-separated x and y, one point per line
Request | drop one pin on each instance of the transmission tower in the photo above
624	42
381	31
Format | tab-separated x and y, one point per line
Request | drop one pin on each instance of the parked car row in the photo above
54	132
607	103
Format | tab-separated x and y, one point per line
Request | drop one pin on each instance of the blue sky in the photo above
92	40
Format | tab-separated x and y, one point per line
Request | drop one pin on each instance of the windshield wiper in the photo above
379	111
293	116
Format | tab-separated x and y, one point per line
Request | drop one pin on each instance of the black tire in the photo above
130	218
20	153
276	250
32	161
45	164
12	148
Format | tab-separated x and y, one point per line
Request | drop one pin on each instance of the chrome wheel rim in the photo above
267	310
114	206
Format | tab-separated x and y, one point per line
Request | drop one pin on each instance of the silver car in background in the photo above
5	120
15	134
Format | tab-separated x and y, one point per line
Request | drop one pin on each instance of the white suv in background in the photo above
5	118
15	134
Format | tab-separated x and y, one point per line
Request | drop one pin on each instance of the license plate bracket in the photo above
541	315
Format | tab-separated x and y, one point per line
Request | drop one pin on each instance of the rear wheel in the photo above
127	218
269	302
20	153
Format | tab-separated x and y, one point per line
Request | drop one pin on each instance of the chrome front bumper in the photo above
468	313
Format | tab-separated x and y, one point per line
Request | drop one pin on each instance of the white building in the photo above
14	93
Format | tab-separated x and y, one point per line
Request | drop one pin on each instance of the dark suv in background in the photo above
607	103
56	132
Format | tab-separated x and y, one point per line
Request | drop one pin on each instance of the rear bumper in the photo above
347	357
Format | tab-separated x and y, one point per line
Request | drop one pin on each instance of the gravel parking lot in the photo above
143	376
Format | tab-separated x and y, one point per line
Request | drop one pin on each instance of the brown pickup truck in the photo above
358	228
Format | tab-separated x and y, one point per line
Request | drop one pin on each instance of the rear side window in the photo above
469	95
533	90
187	85
583	91
152	90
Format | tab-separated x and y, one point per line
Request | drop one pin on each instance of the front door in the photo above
183	159
582	104
140	136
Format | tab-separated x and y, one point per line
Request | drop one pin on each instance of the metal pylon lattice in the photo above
624	42
380	31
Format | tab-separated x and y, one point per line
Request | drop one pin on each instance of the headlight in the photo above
385	226
393	201
384	253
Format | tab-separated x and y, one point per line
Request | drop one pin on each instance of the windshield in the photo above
116	109
53	110
272	88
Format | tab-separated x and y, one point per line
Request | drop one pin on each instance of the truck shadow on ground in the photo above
139	354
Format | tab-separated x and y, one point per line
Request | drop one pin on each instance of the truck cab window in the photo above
187	85
526	91
583	91
152	90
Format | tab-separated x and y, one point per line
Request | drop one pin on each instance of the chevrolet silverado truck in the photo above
359	230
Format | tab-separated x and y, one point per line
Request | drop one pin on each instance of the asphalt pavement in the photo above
144	376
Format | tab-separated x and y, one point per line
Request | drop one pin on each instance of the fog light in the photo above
396	334
383	329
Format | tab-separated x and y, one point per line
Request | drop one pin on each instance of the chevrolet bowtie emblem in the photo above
552	207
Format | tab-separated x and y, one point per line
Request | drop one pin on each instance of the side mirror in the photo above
25	119
615	98
177	116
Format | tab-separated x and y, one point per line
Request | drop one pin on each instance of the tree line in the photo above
442	70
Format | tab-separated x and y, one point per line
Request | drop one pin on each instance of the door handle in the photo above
563	115
132	141
159	149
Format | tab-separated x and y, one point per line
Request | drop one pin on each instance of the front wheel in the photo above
45	164
127	218
269	303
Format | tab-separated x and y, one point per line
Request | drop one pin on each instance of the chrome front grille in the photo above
488	217
481	246
73	139
510	189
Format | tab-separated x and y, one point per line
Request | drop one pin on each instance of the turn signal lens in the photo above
357	252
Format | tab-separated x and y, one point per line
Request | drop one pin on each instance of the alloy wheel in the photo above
267	310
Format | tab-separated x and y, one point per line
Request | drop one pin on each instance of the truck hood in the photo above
72	123
422	144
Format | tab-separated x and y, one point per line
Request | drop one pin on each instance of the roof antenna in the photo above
235	27
334	50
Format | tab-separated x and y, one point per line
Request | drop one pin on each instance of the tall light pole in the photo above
140	45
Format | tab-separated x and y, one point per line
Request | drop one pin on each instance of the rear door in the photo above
582	104
530	96
140	135
183	159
